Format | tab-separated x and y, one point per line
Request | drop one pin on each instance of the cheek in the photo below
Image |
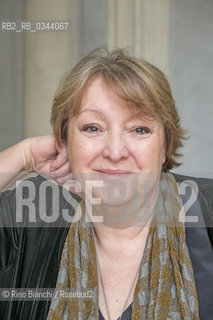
163	155
158	149
81	152
151	155
160	156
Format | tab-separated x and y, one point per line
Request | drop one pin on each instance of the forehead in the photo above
98	89
100	97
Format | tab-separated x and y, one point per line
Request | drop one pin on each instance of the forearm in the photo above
14	164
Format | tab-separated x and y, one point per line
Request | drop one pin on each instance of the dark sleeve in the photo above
30	252
8	232
9	243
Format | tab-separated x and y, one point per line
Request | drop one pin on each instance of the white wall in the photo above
47	56
32	64
191	75
11	76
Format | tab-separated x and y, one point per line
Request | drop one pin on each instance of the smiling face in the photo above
108	141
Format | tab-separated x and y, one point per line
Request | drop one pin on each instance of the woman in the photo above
115	123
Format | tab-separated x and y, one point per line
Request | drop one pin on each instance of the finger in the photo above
60	160
63	179
68	182
62	171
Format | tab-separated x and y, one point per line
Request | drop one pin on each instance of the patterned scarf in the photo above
165	288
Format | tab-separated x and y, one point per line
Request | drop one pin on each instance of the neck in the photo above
135	212
130	230
119	242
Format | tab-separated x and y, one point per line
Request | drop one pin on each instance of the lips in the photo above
113	171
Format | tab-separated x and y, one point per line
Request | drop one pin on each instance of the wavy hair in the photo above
135	80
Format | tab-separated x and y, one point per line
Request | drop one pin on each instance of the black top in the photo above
126	315
201	255
30	256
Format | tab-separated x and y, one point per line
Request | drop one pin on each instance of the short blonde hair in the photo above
135	80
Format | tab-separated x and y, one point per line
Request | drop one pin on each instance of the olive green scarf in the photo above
165	288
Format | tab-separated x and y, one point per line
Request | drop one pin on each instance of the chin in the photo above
117	191
116	212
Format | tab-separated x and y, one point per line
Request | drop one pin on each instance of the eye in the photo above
141	130
91	129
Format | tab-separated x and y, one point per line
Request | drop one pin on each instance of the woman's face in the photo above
109	142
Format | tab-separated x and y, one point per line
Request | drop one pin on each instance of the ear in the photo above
164	156
164	153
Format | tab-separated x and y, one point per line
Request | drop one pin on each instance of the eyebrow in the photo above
133	116
91	110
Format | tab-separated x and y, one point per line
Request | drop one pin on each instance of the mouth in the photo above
114	172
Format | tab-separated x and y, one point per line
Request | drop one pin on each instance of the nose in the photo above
115	147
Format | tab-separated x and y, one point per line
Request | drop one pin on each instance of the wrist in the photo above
26	158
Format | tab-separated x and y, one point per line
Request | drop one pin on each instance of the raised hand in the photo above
47	159
37	154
